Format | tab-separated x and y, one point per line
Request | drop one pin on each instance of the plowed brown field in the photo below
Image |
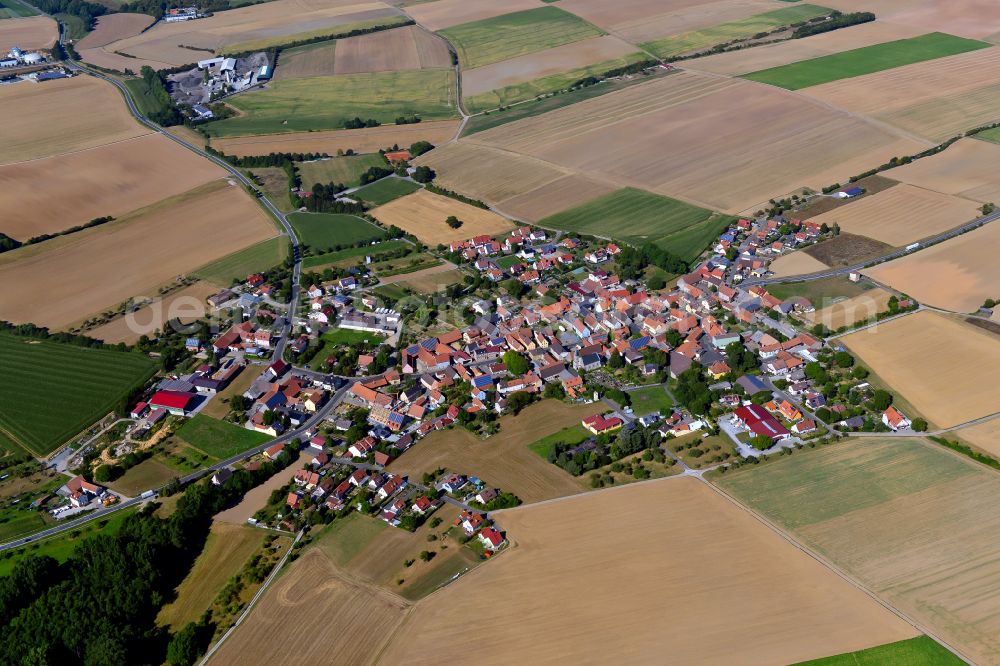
113	27
33	32
89	271
391	50
62	116
423	214
55	193
592	579
670	136
368	140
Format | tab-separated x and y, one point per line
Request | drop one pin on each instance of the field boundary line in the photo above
81	150
828	564
586	492
253	601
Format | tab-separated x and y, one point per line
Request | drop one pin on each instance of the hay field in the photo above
446	13
45	120
407	48
58	192
33	32
489	174
704	121
966	169
367	140
544	63
423	214
796	263
850	311
592	579
958	274
113	27
226	549
938	99
89	271
187	304
917	524
477	43
504	460
644	20
901	215
555	197
985	436
794	50
941	365
165	42
311	614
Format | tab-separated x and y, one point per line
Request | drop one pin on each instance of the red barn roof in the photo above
171	399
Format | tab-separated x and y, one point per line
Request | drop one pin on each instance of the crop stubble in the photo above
423	214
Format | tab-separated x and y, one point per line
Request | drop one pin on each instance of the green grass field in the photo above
865	60
345	170
273	181
532	89
571	435
75	27
385	190
504	37
919	651
15	9
649	400
52	391
485	121
355	253
328	230
991	135
326	102
217	438
818	291
706	38
817	485
411	263
642	217
237	266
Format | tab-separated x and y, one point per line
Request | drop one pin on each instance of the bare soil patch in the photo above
430	283
555	197
390	50
312	613
32	32
62	116
423	214
966	169
902	215
113	27
58	192
446	13
542	611
86	272
368	140
544	63
504	460
958	274
187	305
846	249
705	121
940	364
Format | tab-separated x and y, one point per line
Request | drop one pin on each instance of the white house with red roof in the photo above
895	419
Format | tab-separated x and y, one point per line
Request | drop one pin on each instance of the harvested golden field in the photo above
783	53
703	121
256	497
187	305
367	140
426	282
796	263
643	20
89	271
544	63
423	214
937	99
851	311
958	274
446	13
940	364
984	436
58	192
486	173
901	215
912	521
165	42
62	116
406	48
113	27
977	19
312	614
33	32
226	549
966	169
555	197
504	460
568	592
103	57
